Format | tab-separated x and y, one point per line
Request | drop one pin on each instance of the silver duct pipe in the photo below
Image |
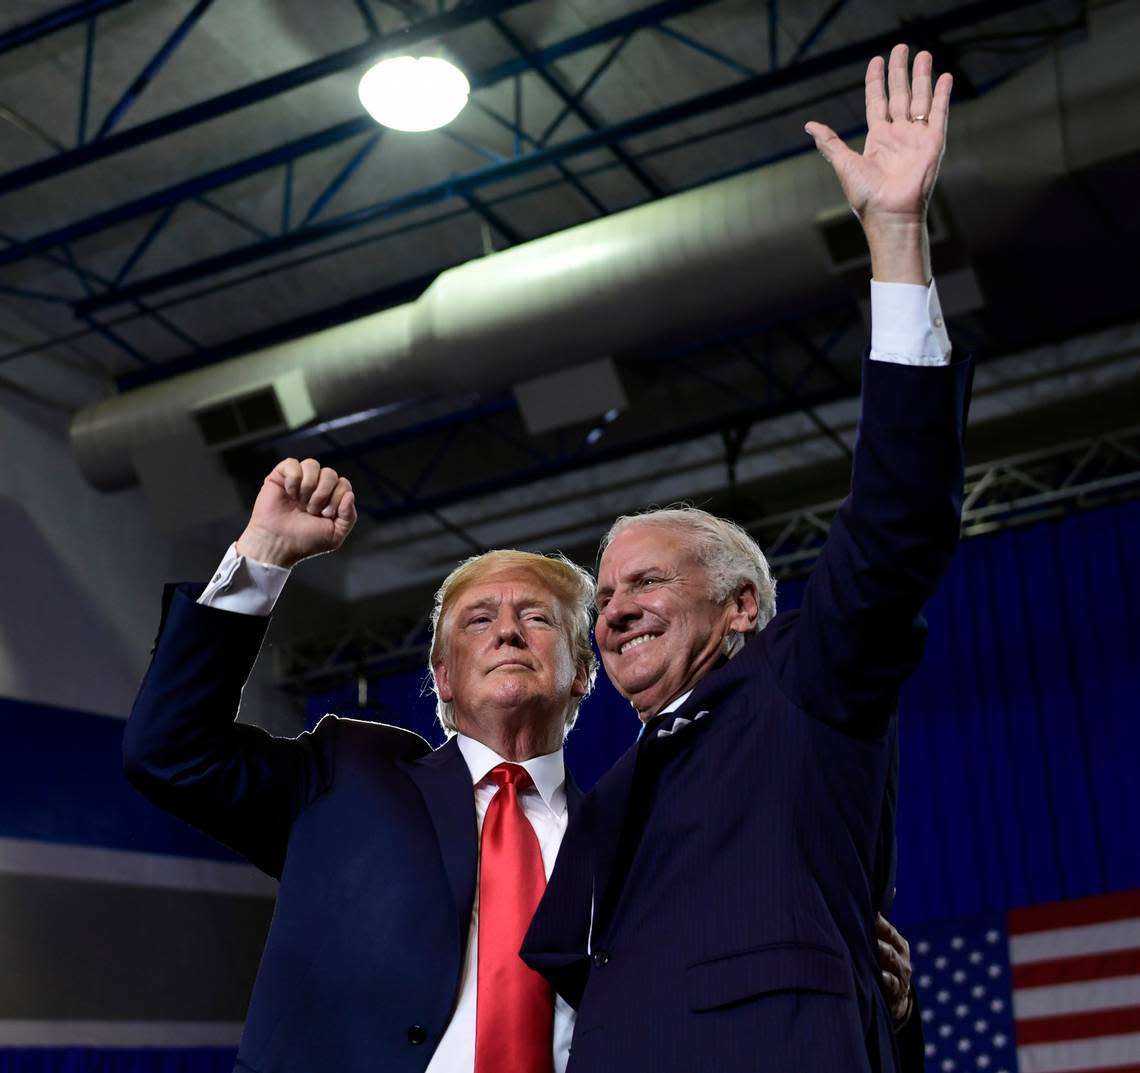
743	247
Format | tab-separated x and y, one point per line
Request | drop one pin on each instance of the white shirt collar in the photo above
674	705
547	772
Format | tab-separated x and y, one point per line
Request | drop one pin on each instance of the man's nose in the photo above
620	609
509	630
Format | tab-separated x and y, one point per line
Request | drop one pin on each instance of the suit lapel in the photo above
608	808
444	780
619	816
574	797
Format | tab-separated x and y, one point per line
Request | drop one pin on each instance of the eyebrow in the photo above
527	600
637	575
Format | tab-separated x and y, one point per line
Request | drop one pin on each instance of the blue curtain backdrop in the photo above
1020	738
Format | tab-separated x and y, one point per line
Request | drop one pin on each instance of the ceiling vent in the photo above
255	414
237	420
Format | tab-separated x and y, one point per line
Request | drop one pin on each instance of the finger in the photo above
889	959
346	508
921	91
338	493
940	106
892	987
875	93
898	85
345	516
830	145
887	930
326	482
287	473
310	474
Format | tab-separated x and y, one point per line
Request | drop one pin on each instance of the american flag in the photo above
1050	988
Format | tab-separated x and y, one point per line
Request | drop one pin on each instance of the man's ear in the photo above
745	608
581	677
442	685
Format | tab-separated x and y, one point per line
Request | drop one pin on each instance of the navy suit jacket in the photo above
371	833
713	904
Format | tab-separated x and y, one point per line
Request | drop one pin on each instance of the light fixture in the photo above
407	93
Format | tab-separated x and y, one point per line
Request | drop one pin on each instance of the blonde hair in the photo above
572	585
726	550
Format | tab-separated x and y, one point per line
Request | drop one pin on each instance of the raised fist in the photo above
302	510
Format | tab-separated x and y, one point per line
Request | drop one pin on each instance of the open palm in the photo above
893	177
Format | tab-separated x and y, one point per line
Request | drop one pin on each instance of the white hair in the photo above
726	551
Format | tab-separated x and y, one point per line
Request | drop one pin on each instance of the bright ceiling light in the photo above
406	93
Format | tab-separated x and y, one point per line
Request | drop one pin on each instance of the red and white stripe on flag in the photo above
1076	984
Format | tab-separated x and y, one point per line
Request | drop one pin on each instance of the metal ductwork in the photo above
746	247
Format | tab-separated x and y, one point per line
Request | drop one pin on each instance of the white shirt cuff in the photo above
244	585
907	326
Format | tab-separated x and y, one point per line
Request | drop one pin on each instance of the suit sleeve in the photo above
184	751
860	631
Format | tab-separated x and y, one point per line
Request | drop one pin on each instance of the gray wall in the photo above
107	946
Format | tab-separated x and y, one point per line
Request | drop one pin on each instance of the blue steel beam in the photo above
66	259
244	96
586	86
298	76
773	379
233	217
342	177
189	188
34	295
574	103
310	143
376	478
818	30
85	85
459	185
146	75
287	196
518	108
370	24
472	146
521	136
144	244
492	219
708	50
59	19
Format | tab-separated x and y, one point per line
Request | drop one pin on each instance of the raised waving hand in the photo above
889	184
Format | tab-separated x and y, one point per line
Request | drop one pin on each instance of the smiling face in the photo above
507	657
659	631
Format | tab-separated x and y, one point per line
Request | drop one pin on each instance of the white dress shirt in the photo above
907	328
544	804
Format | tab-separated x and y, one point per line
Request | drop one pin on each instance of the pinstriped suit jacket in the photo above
713	904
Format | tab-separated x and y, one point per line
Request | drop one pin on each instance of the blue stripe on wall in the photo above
116	1060
61	780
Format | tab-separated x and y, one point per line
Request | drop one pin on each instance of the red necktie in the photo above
514	1013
